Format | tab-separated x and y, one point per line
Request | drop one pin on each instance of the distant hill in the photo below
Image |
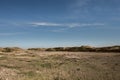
109	49
11	49
71	49
81	48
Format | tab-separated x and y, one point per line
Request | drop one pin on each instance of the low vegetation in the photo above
11	49
60	63
37	65
80	49
70	49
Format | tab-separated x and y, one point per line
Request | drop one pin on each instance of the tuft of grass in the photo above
46	65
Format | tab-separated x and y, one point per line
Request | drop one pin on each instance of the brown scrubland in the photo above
81	48
68	63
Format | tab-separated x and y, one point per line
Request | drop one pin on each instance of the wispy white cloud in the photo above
70	25
45	24
64	26
57	27
50	24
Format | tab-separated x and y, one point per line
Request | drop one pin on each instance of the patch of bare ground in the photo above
7	74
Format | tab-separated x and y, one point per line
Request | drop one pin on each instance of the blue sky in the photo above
54	23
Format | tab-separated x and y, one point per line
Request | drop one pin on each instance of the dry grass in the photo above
59	66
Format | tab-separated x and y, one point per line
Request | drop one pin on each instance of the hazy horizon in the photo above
59	23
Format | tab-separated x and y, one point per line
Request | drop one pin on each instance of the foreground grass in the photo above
59	66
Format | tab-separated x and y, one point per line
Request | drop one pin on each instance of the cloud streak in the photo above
50	24
45	24
70	25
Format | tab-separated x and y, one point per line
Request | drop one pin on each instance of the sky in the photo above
58	23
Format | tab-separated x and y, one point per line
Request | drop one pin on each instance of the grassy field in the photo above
59	66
